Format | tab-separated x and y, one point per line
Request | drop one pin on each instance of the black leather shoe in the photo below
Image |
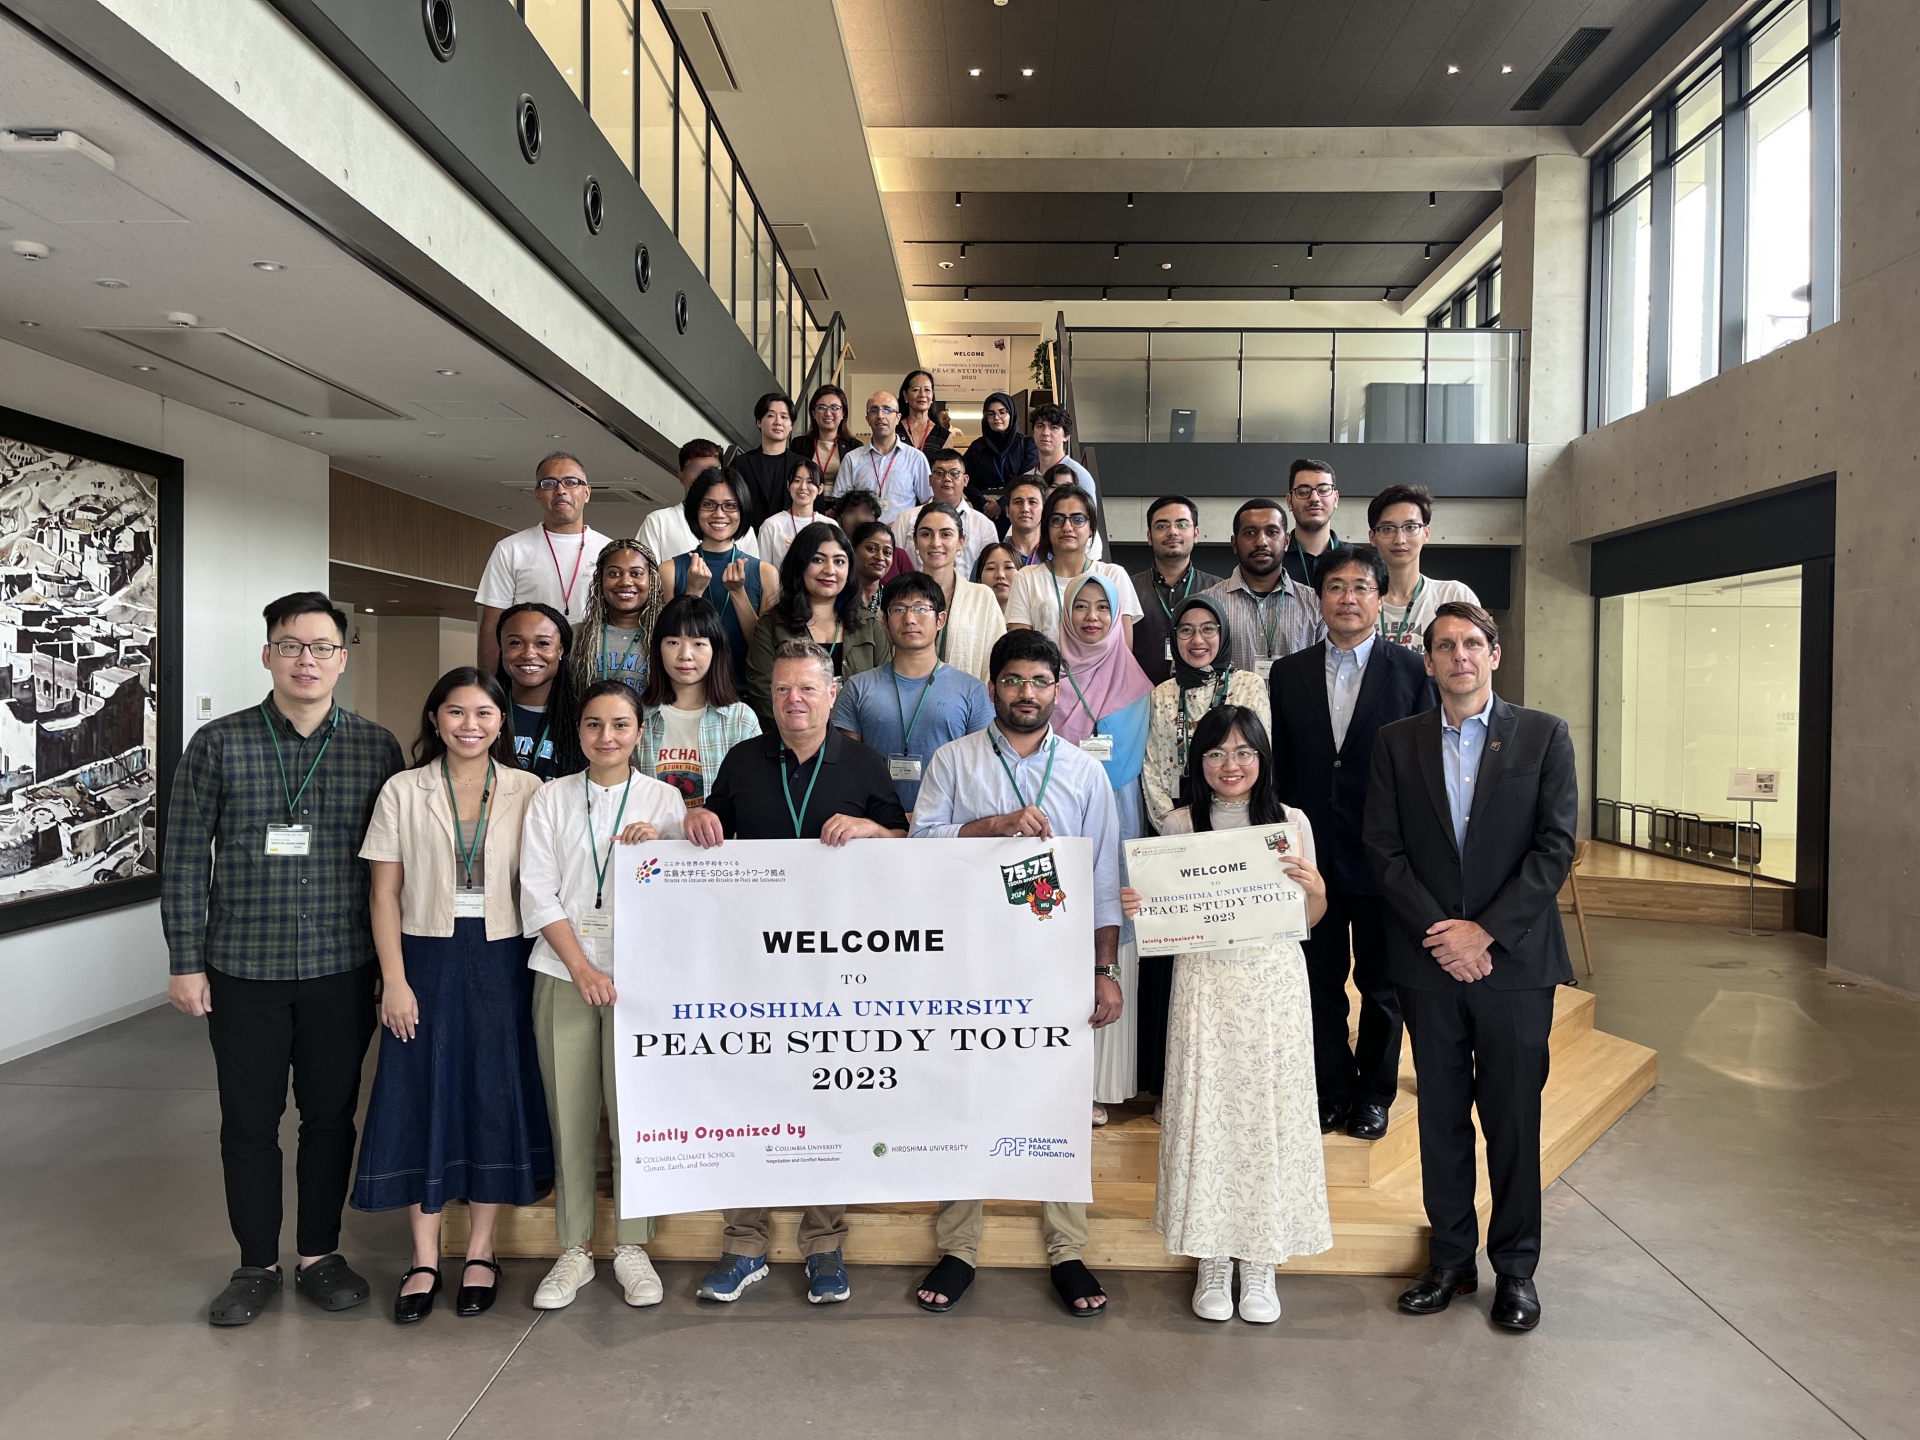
1367	1122
1435	1289
412	1309
1333	1114
1516	1304
476	1299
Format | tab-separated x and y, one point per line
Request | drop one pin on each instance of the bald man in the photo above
894	471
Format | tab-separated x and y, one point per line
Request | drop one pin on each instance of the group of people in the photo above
913	642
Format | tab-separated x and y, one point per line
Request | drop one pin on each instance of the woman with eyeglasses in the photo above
777	531
999	457
827	437
974	617
920	423
995	569
819	601
1066	527
1242	1175
617	633
738	586
1399	519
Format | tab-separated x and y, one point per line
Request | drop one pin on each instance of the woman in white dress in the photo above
974	620
1242	1174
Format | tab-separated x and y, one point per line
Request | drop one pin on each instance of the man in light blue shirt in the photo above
1461	747
1344	669
886	465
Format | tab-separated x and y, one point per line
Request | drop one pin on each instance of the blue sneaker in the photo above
731	1275
827	1279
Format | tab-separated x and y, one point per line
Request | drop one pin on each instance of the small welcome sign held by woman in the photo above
1216	889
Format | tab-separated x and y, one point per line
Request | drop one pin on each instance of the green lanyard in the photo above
1219	698
616	672
1083	702
819	759
286	785
1269	631
462	851
1406	619
1185	594
1045	779
1059	599
906	725
600	867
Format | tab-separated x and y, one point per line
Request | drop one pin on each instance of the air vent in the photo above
807	281
239	364
1560	68
700	38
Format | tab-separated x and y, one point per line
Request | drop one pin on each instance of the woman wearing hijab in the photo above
999	457
1104	700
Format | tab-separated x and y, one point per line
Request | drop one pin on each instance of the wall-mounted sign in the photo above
968	367
1760	785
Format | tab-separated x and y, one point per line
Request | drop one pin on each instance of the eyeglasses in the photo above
1340	589
319	649
1078	522
1410	529
1245	755
881	410
1022	683
719	507
1161	527
1202	632
1308	492
828	409
551	483
918	611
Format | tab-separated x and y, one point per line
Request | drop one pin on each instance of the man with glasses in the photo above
947	474
909	708
1312	497
765	471
264	901
1173	529
1268	613
552	562
894	471
1328	703
1015	777
665	532
1400	518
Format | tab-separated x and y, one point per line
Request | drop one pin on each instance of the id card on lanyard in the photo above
597	923
292	838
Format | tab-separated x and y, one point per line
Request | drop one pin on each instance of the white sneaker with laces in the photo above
573	1269
1259	1300
635	1272
1213	1289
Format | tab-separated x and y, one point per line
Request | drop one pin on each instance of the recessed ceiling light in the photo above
310	432
1027	71
483	457
31	324
436	434
1506	69
552	436
946	264
423	477
268	265
1166	264
236	402
446	372
975	71
1453	69
111	284
143	367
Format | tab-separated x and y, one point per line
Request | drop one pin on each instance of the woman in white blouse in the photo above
777	531
1066	530
974	620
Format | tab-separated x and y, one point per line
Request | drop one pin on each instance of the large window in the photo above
1474	306
1709	247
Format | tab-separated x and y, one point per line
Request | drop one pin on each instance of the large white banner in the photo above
970	367
894	1020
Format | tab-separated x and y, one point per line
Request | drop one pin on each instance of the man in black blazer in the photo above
1469	829
1328	702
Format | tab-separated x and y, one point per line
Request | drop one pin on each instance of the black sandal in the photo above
1073	1281
476	1299
950	1278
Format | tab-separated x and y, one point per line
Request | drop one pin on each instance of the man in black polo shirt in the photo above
807	781
1173	528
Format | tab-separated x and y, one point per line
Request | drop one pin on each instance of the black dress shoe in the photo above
1367	1122
412	1309
1435	1289
1516	1304
476	1299
1333	1114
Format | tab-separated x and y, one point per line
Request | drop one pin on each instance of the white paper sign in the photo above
1762	785
968	367
895	1020
1216	889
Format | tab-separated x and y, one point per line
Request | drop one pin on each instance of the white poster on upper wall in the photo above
968	367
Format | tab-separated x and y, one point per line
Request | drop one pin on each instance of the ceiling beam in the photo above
1319	158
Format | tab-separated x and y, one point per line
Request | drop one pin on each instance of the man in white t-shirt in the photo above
551	563
1052	428
948	475
891	469
1399	518
665	532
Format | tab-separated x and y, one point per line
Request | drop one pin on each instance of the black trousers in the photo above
261	1030
1152	1000
1477	1046
1365	1070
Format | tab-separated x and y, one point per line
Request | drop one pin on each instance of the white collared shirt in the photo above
1344	670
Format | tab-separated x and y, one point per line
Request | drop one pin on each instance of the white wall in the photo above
255	527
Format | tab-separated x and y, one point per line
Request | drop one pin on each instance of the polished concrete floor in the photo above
1738	1257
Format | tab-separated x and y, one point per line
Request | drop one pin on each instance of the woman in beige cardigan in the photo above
974	618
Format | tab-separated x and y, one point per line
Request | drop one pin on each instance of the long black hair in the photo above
1055	498
1263	805
563	706
694	617
431	746
795	610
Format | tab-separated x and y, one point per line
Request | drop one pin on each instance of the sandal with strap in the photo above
950	1278
1073	1281
474	1300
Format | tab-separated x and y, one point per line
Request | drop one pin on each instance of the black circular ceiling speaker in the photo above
642	268
526	119
680	311
595	204
438	16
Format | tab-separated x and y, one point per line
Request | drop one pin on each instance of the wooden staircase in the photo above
1379	1225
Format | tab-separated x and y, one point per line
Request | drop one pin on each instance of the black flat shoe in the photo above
1367	1122
331	1284
1333	1115
476	1299
412	1309
1516	1304
1435	1289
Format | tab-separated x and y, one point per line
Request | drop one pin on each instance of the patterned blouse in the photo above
1166	759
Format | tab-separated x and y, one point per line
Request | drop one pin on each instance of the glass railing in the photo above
626	65
1296	386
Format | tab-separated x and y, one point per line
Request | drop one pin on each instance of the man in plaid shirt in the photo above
264	903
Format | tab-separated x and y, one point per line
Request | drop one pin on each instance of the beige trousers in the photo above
960	1224
823	1228
575	1042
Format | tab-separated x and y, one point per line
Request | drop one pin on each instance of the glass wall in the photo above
1475	305
1694	681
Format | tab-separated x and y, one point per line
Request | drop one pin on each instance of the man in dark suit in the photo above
1469	829
1328	703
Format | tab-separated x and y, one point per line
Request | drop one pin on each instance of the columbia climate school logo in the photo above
1035	884
648	869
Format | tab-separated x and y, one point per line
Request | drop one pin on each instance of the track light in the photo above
1169	292
1103	292
1309	252
1130	199
1433	198
1116	251
1387	293
963	249
956	199
966	292
1426	252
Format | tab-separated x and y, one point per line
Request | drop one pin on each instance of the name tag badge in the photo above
597	925
1100	747
289	840
469	904
1169	651
903	767
1263	668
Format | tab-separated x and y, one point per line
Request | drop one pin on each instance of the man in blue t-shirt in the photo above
910	708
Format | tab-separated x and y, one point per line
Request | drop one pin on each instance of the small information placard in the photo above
1761	785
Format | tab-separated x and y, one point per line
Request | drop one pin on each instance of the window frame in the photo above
1471	306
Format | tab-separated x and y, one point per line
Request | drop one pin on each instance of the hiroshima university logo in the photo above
1034	883
880	1148
648	869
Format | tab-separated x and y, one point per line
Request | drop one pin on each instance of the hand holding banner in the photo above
1216	889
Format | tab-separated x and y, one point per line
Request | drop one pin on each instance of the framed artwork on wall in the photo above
90	721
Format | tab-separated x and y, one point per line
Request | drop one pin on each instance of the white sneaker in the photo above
1259	1301
1099	1115
573	1269
1213	1289
634	1271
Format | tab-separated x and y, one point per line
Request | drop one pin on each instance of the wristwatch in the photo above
1110	972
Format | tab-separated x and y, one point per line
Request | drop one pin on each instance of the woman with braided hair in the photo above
615	637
